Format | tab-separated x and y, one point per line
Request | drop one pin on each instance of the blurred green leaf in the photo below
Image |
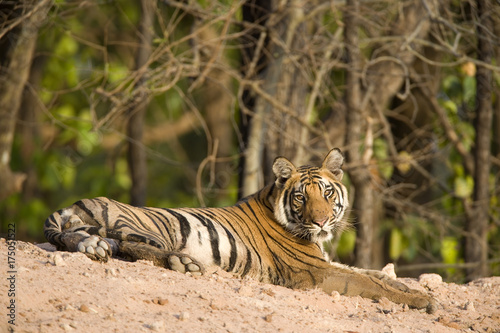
381	152
452	86
404	165
450	106
121	174
464	186
347	243
469	89
467	133
66	47
449	250
450	253
395	244
117	72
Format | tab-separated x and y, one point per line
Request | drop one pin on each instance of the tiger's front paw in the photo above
95	248
423	301
184	264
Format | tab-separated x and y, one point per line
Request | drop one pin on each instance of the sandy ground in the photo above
67	292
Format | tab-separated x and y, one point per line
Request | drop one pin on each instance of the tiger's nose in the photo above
320	221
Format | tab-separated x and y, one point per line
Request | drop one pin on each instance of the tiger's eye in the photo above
328	192
299	197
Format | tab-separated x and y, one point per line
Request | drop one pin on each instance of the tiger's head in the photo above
312	201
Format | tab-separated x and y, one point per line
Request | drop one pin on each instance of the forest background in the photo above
187	103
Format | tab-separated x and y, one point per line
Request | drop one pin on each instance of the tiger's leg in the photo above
351	283
175	261
376	274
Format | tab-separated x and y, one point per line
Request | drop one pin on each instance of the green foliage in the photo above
450	253
346	244
72	164
116	73
463	186
415	231
381	153
397	243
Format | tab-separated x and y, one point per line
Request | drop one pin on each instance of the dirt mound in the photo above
67	292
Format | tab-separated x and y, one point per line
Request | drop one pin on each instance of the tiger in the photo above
274	236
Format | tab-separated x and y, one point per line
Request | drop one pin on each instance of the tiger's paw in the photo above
183	263
175	261
96	248
423	301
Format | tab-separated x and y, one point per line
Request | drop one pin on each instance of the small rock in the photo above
157	326
58	260
183	316
430	281
469	306
269	318
64	307
84	308
111	272
111	317
389	270
66	327
335	295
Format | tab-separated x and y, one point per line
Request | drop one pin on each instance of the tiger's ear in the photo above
333	162
283	170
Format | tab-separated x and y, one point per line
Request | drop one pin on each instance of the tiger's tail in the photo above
52	228
70	225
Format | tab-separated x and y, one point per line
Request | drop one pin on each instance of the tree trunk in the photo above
495	151
476	242
279	103
29	128
356	121
18	45
253	63
136	153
